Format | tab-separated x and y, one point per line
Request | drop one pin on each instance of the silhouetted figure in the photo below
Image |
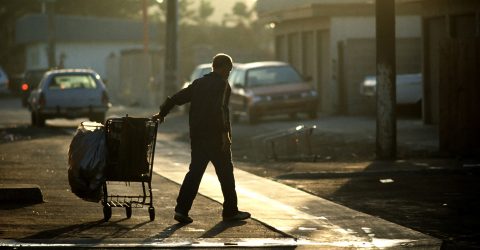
210	136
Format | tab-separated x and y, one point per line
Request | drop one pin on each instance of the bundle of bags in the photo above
87	161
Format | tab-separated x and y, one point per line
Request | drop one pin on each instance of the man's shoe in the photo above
182	218
239	216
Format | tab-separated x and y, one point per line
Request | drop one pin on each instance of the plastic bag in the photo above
87	160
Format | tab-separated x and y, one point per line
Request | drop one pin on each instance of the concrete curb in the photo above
20	193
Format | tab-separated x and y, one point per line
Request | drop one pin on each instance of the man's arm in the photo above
181	97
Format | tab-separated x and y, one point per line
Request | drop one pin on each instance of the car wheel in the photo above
312	114
39	119
234	117
252	117
97	117
293	116
33	119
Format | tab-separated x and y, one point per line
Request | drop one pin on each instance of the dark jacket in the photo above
209	114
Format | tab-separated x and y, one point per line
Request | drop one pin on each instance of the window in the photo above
272	76
239	78
72	82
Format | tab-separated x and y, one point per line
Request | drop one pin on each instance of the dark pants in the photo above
204	151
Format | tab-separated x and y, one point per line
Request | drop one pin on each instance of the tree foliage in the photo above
205	10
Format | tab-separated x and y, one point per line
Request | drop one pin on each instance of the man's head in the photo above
222	64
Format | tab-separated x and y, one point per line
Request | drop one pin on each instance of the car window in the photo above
272	76
232	75
72	82
238	78
3	75
34	77
199	72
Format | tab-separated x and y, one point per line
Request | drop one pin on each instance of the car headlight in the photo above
369	83
256	98
309	93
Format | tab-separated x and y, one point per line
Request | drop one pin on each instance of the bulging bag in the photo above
87	160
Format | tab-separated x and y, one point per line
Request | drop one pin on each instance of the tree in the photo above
205	10
241	15
240	9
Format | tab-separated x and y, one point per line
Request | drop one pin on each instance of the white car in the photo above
199	71
69	93
408	87
3	82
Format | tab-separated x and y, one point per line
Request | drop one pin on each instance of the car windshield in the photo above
266	76
199	72
72	82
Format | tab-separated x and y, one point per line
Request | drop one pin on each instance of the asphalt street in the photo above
432	195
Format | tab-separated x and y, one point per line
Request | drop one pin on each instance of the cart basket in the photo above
130	145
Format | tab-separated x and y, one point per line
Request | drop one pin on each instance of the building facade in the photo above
111	47
334	43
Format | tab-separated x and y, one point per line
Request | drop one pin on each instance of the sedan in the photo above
408	88
3	82
31	79
69	93
270	88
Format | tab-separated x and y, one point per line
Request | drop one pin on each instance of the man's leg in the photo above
222	162
191	182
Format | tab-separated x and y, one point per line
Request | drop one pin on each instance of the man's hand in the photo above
158	117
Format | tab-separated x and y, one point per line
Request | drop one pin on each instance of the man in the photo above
210	136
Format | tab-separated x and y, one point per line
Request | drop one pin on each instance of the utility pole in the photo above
171	48
145	27
386	144
50	7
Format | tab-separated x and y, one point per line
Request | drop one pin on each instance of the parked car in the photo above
408	88
3	82
270	88
69	93
199	71
31	79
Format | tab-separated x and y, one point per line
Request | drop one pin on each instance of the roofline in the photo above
404	7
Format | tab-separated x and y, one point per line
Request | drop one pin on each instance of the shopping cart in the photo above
131	147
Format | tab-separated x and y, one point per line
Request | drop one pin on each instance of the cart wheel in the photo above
107	213
128	211
151	212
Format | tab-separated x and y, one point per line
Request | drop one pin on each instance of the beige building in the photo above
334	43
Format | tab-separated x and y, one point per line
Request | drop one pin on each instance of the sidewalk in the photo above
312	220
